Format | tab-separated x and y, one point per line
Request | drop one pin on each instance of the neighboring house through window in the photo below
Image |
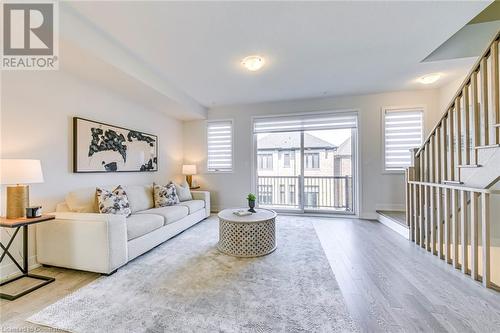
286	159
311	195
265	194
265	161
291	193
311	160
282	194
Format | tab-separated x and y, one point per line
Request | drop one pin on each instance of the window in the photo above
282	194
220	146
286	160
291	192
265	161
265	194
403	130
311	160
311	195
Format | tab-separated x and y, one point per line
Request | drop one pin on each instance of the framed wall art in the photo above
99	147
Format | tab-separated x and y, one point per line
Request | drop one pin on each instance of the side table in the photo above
18	224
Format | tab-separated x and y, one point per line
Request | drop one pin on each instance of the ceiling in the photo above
311	48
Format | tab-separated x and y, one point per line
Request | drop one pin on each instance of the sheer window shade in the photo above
403	130
305	122
220	146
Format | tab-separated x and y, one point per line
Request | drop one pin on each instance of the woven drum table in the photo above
247	236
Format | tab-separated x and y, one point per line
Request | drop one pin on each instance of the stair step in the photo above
496	125
395	220
488	146
469	166
452	182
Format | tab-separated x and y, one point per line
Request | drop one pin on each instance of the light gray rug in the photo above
187	285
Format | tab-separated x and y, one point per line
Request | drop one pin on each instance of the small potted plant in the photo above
251	202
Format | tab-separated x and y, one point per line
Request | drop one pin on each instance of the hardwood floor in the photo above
14	313
389	284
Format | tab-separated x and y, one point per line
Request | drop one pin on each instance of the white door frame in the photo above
356	163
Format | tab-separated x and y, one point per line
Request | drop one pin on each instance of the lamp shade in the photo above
20	171
189	169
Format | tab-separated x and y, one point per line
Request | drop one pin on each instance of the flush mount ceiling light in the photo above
253	63
429	78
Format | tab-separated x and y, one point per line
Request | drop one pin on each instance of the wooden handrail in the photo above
456	187
457	95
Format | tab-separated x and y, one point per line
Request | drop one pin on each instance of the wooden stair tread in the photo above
453	182
469	166
496	125
394	215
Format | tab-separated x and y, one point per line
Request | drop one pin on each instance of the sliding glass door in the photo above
306	164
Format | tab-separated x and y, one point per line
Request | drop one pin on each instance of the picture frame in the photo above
102	148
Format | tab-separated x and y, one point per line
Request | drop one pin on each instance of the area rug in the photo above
187	285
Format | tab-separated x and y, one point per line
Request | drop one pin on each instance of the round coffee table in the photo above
247	236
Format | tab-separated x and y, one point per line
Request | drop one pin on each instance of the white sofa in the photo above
81	238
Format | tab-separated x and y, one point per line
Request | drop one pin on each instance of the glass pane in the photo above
278	170
328	170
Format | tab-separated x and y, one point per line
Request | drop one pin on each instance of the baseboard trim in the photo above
395	226
10	270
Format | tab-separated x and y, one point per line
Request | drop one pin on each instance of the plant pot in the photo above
251	204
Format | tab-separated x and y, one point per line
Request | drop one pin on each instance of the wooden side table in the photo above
18	224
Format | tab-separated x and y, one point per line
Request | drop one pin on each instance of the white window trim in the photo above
232	145
402	108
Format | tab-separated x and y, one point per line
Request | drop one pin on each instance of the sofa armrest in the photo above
84	241
205	196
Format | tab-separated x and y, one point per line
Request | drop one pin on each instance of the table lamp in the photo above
189	170
17	174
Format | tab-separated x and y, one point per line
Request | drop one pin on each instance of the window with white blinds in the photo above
220	146
403	130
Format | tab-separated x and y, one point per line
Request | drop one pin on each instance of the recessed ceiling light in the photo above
429	78
253	63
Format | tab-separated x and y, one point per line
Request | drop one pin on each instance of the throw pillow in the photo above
183	191
165	195
113	202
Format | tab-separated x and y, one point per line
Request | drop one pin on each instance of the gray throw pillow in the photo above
183	191
113	202
165	195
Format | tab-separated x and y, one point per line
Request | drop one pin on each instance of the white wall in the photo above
378	190
447	92
36	123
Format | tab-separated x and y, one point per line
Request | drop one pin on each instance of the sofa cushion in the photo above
140	197
170	213
82	200
193	205
140	224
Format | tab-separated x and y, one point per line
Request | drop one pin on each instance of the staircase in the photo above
449	183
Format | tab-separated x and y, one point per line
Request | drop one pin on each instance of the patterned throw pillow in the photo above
165	195
113	202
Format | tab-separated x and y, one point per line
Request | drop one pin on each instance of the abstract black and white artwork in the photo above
99	147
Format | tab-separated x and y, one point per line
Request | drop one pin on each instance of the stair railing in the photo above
444	217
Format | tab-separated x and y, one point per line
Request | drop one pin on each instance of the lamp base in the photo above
17	201
189	180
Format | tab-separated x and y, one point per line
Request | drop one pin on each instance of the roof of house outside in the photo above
292	141
345	147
